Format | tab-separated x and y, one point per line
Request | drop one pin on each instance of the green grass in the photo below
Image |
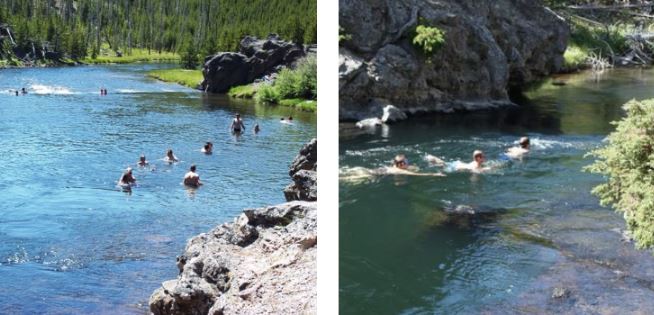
137	55
190	78
243	91
575	57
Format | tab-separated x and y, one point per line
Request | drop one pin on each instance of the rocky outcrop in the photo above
303	172
490	46
256	58
264	262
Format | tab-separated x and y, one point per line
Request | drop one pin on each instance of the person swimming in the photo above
16	92
207	148
401	166
127	179
290	118
256	128
519	152
477	164
24	91
170	157
142	161
237	125
192	178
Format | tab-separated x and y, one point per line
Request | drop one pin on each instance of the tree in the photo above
627	162
189	56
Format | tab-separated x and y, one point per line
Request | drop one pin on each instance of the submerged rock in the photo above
264	262
489	47
255	59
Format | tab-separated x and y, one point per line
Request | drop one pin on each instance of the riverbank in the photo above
185	77
262	263
137	55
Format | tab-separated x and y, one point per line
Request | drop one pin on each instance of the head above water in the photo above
400	161
238	116
193	168
128	170
524	142
142	157
478	155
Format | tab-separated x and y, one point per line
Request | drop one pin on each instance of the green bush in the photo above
267	94
627	161
300	82
243	91
428	39
575	57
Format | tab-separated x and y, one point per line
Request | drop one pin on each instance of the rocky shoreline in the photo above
262	263
489	47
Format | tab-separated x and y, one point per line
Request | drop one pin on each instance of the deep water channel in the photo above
71	242
401	254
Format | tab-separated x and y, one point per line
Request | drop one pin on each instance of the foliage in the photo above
575	57
190	78
298	103
300	82
266	93
80	28
137	55
428	39
243	91
627	161
189	56
603	41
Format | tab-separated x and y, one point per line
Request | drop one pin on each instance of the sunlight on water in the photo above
72	242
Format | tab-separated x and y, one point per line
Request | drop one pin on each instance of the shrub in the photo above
574	57
267	94
243	91
428	39
300	82
627	161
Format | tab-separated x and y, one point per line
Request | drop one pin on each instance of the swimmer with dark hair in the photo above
192	178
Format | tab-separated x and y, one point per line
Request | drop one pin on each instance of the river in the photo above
401	254
74	243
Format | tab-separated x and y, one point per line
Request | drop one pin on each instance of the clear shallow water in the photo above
399	253
72	242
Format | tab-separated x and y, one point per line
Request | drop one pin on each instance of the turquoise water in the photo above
71	241
401	254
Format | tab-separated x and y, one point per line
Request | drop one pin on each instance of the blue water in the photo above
71	241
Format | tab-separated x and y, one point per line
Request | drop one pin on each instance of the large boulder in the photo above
490	46
256	58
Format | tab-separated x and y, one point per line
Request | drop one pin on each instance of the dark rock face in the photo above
490	46
264	262
255	59
303	172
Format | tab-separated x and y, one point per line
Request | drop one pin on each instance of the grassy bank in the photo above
190	78
267	94
137	55
590	42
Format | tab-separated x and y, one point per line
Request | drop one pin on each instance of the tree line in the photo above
81	28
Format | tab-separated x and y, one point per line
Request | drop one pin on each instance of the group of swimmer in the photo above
22	91
103	91
191	178
401	164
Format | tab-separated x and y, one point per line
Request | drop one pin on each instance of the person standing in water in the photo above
192	178
127	179
24	91
16	92
519	152
237	125
207	148
170	157
256	129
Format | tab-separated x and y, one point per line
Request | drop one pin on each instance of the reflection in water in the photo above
415	248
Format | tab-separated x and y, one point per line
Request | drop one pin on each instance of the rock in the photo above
264	262
255	59
490	46
559	293
303	172
467	216
392	114
369	123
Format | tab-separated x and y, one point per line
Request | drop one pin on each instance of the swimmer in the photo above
207	148
142	161
477	164
237	125
24	91
401	167
290	118
127	179
434	161
519	152
192	178
16	92
170	157
256	128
